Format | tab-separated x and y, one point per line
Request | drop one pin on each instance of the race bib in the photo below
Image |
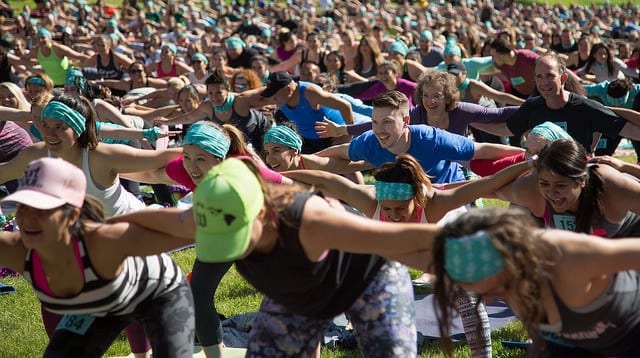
78	324
565	222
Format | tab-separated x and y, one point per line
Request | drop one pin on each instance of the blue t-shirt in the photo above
435	149
306	117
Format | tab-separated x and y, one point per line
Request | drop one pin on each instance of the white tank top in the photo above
115	199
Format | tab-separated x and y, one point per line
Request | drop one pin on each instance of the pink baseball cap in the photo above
49	183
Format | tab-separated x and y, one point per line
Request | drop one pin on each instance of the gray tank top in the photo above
605	322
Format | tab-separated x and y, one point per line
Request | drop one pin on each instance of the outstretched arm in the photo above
480	89
356	234
362	197
318	96
494	151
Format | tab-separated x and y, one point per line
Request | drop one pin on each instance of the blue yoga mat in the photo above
499	315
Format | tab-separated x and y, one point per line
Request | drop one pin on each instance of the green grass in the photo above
22	333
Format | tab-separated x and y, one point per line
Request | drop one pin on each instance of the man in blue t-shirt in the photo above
436	150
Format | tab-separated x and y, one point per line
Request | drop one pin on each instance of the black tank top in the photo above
109	71
254	126
316	289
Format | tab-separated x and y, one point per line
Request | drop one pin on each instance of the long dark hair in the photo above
91	211
592	58
567	158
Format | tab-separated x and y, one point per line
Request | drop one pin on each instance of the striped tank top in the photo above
141	278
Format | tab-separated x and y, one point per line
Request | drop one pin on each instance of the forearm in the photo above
172	221
628	114
494	151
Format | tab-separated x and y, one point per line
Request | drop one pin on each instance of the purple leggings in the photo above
138	340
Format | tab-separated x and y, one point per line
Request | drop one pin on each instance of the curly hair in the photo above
444	79
528	263
252	79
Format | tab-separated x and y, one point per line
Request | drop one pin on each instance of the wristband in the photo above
151	134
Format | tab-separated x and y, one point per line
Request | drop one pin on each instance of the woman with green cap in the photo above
577	295
308	255
404	193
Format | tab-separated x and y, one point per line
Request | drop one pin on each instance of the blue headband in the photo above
36	81
44	32
234	43
284	135
393	191
76	78
61	112
171	47
210	139
201	57
472	258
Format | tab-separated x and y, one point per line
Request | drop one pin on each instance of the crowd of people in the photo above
323	147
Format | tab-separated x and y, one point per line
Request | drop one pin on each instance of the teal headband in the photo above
61	112
44	32
399	47
472	258
393	191
453	50
171	47
284	135
234	43
550	131
426	35
616	102
201	57
72	75
210	139
36	81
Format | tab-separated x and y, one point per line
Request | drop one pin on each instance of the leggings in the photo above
383	320
135	333
167	319
205	278
479	341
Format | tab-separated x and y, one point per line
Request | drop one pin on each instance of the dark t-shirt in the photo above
244	60
319	290
580	117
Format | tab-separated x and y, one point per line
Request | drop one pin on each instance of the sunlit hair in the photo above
238	145
376	55
406	169
528	263
48	82
444	79
23	104
392	99
252	79
568	158
88	139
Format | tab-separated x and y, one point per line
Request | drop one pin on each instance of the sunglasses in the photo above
136	70
197	61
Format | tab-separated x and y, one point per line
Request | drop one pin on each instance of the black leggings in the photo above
205	278
167	319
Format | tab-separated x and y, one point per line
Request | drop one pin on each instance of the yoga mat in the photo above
499	315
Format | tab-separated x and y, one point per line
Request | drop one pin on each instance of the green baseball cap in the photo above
225	203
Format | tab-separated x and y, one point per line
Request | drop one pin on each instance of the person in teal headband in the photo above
201	57
44	32
59	111
234	43
172	47
399	47
285	136
75	81
403	193
452	49
208	138
535	271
